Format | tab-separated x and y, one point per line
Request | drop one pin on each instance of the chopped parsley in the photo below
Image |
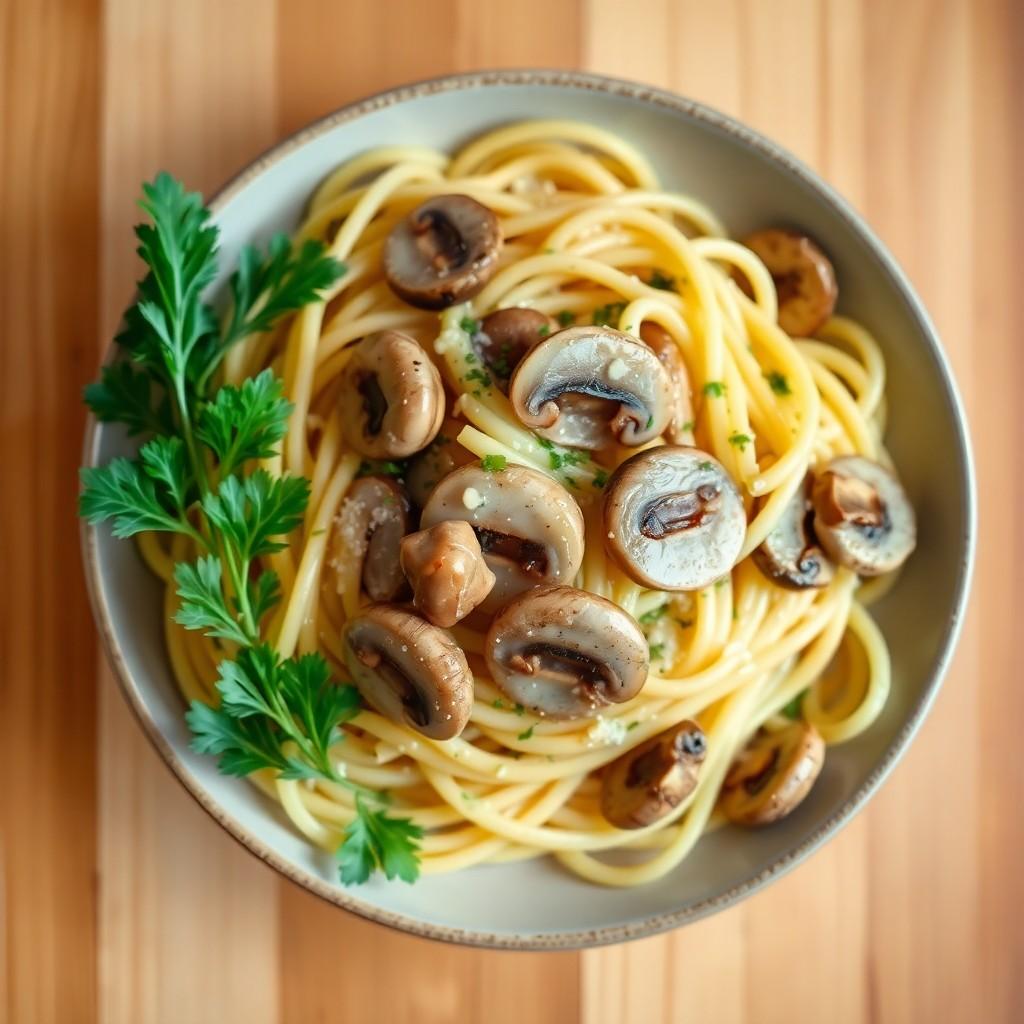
778	383
544	330
519	710
498	703
714	388
493	463
705	465
566	317
795	708
372	467
740	440
528	733
688	425
600	478
664	282
657	650
649	618
481	377
632	726
605	315
469	325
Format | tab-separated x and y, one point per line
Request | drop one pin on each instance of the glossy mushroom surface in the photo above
650	781
373	519
429	467
444	252
662	344
410	671
772	775
566	653
862	516
588	387
528	526
790	555
504	338
447	571
392	400
805	280
674	519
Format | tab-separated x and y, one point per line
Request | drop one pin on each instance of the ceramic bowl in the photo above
750	182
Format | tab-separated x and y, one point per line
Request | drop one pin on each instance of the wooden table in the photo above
122	902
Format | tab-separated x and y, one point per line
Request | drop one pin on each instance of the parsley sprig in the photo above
194	476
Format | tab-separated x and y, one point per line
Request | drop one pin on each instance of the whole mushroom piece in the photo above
444	252
410	671
392	399
447	571
674	519
588	387
790	555
374	518
650	781
529	528
805	280
772	775
862	516
566	653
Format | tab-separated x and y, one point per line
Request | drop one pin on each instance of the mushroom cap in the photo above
566	653
444	252
790	555
392	399
674	519
652	779
529	528
506	335
374	517
427	468
774	772
410	671
664	346
588	387
447	571
805	280
862	516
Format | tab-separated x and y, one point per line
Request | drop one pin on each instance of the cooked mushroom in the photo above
444	252
529	528
435	462
862	516
374	517
790	555
772	775
674	519
661	343
392	400
566	653
447	571
410	671
649	781
506	335
587	387
805	281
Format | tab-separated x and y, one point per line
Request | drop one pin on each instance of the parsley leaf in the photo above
778	383
740	440
600	478
651	617
246	422
374	841
251	513
662	281
124	394
203	604
528	733
121	491
605	315
795	708
714	388
565	317
493	463
657	651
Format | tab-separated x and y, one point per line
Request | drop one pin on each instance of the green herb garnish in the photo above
657	651
740	440
778	383
565	317
469	325
493	463
714	388
528	734
194	476
651	617
605	315
795	708
600	478
662	281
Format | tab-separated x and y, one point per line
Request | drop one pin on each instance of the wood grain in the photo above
913	913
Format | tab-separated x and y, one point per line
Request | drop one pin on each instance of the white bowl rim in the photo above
657	923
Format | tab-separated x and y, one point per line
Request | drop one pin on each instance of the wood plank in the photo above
333	964
188	922
48	176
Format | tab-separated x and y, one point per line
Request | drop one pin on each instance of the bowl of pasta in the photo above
551	508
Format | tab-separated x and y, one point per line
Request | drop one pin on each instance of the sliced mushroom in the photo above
805	280
529	528
790	554
374	517
674	519
410	671
447	571
435	462
566	653
662	344
773	774
392	400
587	387
506	335
444	252
651	780
862	516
